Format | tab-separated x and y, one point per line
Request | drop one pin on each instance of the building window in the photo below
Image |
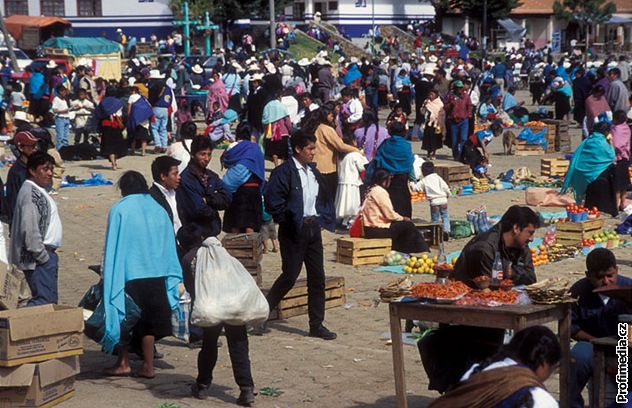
298	10
12	7
89	8
53	8
333	6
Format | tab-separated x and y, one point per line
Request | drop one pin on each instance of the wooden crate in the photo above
562	136
256	273
454	174
244	246
525	149
572	233
432	232
362	251
551	129
553	167
295	302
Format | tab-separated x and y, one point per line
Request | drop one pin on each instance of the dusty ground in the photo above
353	371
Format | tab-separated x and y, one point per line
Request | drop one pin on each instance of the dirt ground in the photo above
354	371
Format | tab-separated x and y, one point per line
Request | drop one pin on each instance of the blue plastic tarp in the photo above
84	45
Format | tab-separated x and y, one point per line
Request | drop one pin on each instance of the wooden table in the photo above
600	346
514	317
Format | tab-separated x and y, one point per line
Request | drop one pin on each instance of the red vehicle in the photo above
41	63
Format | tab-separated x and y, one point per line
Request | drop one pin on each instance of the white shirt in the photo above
355	108
310	188
291	104
83	113
178	151
54	232
60	105
541	398
436	189
170	195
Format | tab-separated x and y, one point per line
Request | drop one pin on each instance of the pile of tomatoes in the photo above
578	209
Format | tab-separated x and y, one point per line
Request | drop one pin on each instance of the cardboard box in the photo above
38	385
39	333
9	288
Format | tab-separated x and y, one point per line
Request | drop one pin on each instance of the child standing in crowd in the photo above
397	115
349	181
62	116
17	98
183	115
437	191
214	114
621	142
84	109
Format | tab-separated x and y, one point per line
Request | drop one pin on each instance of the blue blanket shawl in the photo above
352	75
139	244
592	157
273	111
247	154
141	111
394	155
108	106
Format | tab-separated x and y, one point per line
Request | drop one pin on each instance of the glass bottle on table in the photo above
441	268
497	271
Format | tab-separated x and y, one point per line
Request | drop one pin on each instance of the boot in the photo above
246	397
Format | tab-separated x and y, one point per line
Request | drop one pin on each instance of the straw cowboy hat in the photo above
197	69
271	68
429	69
353	60
155	74
303	62
51	64
256	77
253	67
238	67
433	58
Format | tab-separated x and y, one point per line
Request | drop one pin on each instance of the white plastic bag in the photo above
225	291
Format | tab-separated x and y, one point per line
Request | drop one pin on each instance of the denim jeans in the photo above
458	135
62	128
159	127
442	209
43	281
372	100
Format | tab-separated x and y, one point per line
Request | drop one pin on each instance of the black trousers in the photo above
331	183
237	339
306	248
82	133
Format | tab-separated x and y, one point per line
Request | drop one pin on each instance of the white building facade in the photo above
94	18
356	16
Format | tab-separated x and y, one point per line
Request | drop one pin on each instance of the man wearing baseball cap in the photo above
26	144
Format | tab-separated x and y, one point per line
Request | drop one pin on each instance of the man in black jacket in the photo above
164	171
298	200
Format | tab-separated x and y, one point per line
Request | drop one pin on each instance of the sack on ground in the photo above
225	291
95	324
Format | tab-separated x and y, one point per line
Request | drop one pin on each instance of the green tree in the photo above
474	9
586	13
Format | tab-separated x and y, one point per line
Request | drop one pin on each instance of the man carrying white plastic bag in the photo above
224	296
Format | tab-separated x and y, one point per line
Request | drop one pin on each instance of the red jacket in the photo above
458	108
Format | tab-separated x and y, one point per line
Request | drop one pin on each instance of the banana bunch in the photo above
480	185
558	252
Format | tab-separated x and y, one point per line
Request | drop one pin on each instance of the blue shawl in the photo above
247	154
273	111
352	75
139	244
108	106
394	155
592	157
141	111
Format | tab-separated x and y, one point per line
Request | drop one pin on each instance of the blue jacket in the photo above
199	203
284	199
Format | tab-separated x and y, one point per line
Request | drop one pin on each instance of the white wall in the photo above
131	8
385	8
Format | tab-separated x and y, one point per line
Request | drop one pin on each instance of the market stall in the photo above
104	56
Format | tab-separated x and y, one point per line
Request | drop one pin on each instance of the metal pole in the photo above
7	41
187	33
484	30
207	39
272	26
373	18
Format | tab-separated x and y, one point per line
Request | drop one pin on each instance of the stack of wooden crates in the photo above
248	249
573	233
455	175
294	303
362	251
562	137
553	167
525	149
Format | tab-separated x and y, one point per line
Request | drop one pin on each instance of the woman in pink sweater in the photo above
621	142
381	221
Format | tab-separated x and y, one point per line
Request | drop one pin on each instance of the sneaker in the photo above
323	333
246	397
199	391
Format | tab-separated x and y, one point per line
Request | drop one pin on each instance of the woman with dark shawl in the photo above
110	117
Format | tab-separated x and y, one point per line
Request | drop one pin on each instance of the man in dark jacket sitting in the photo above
299	202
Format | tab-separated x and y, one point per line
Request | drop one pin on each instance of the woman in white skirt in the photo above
349	181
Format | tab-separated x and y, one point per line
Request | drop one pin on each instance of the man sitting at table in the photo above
444	354
594	316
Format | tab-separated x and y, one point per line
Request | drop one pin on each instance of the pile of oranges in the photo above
417	196
630	171
540	258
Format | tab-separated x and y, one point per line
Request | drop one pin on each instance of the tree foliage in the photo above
587	12
496	9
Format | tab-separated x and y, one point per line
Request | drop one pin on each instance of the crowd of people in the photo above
336	165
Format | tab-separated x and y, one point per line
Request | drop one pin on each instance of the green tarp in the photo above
84	45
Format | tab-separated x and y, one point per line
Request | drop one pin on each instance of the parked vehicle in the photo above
23	60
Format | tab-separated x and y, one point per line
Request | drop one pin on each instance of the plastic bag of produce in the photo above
395	258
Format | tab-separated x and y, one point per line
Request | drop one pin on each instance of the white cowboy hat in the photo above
324	62
51	64
321	54
155	74
341	60
253	67
256	77
197	69
250	60
238	67
21	115
303	62
271	68
430	69
353	60
432	58
136	61
131	81
385	60
118	30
